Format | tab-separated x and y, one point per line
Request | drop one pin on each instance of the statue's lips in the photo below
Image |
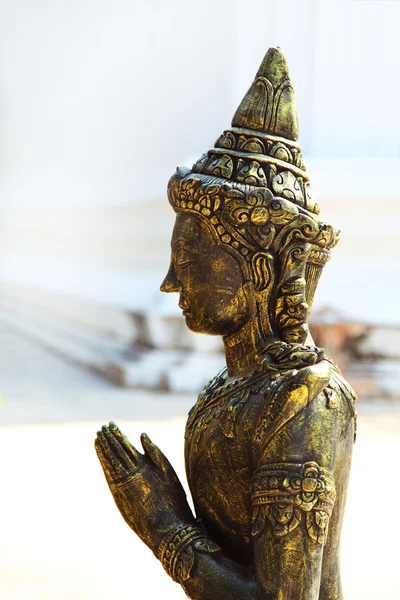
184	306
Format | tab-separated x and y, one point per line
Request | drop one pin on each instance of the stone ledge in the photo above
154	350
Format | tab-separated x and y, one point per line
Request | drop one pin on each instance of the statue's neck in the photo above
239	351
241	355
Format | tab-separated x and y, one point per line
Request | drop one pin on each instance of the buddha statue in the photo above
268	444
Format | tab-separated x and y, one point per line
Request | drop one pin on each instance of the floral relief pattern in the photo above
282	493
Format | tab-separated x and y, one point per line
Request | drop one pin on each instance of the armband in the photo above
286	493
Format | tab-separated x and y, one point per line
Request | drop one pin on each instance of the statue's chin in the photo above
196	327
193	325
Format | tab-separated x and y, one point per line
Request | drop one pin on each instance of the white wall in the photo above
101	99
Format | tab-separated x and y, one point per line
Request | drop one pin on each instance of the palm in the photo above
145	487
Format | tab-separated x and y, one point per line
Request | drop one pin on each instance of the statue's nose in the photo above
170	283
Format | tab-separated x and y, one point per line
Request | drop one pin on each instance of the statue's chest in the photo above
216	442
218	459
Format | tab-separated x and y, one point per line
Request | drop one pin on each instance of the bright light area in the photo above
63	538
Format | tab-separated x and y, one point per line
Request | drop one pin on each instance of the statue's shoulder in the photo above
289	392
339	393
301	382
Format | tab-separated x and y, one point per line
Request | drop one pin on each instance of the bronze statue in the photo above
269	441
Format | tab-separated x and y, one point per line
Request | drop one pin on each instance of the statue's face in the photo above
209	279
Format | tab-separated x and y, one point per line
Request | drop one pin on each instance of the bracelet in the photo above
176	552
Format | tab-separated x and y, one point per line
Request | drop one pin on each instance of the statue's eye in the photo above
184	259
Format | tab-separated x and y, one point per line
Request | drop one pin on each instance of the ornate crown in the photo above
260	149
253	191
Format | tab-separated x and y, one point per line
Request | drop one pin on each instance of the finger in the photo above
104	458
109	471
129	449
118	449
110	475
155	454
111	459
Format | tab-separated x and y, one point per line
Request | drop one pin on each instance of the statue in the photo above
269	441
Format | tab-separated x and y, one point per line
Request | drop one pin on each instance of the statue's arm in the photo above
290	524
209	575
292	504
293	488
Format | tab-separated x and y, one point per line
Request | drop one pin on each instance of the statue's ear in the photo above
262	276
261	271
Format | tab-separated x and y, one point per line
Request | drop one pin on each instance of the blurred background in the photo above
99	102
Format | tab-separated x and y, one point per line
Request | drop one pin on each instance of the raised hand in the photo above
145	486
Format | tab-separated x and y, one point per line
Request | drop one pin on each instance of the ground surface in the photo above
62	537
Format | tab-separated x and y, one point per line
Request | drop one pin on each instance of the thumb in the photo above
155	454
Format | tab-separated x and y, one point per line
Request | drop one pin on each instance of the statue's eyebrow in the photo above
184	244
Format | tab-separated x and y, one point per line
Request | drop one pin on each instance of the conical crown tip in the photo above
269	105
274	66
